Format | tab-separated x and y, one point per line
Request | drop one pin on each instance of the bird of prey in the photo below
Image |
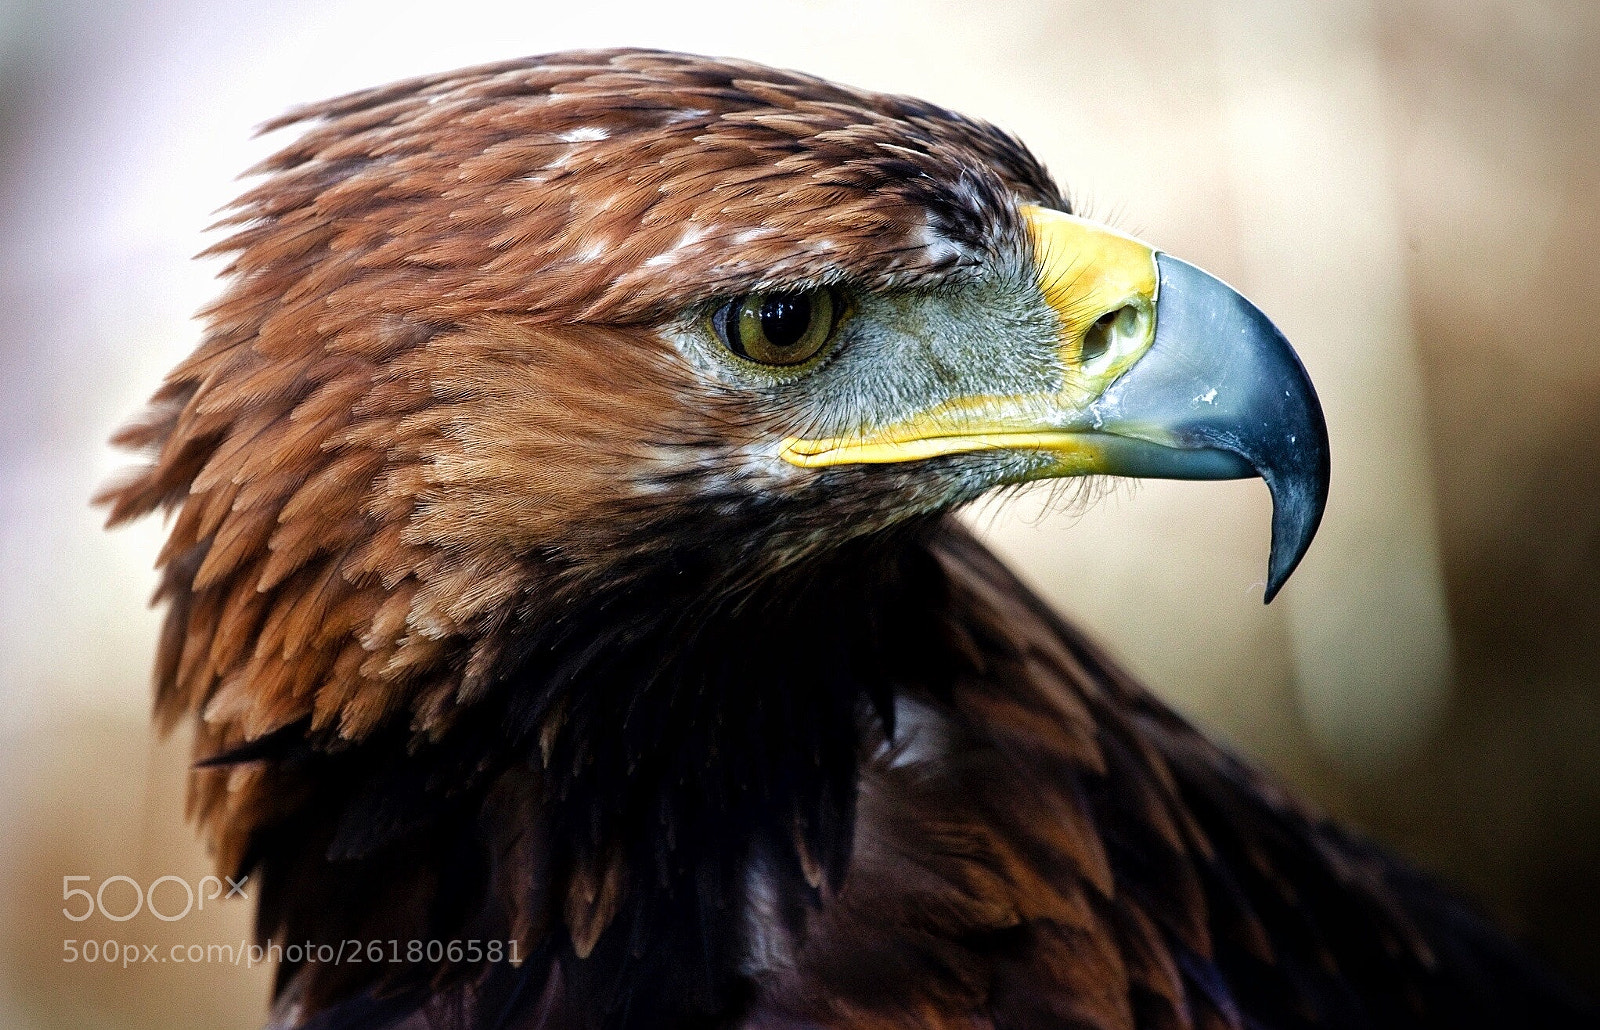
562	588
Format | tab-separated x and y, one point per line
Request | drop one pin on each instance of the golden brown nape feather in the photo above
495	622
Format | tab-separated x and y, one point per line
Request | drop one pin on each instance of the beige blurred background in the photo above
1409	188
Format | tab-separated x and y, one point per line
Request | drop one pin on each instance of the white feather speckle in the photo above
692	235
939	247
920	734
768	943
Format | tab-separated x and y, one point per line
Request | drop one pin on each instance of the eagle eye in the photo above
778	327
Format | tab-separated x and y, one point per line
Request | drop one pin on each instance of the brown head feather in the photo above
431	391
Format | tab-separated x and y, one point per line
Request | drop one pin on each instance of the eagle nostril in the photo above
1112	335
1098	339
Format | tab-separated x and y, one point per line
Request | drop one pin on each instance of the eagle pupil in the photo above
785	317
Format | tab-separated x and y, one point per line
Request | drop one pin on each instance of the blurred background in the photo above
1409	188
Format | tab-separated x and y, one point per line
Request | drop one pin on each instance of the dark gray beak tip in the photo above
1297	506
1294	460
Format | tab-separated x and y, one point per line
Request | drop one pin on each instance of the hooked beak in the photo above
1167	372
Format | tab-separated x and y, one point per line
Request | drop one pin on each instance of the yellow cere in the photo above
1089	271
1103	285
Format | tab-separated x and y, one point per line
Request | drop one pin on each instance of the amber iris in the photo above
777	328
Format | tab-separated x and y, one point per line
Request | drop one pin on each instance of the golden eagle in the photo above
562	588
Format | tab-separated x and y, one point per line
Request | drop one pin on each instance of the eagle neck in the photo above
690	732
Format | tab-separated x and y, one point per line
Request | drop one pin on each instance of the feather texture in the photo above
492	629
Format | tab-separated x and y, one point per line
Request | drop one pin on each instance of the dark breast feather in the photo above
1080	856
1039	843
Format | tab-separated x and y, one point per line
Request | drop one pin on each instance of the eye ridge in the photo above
778	327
